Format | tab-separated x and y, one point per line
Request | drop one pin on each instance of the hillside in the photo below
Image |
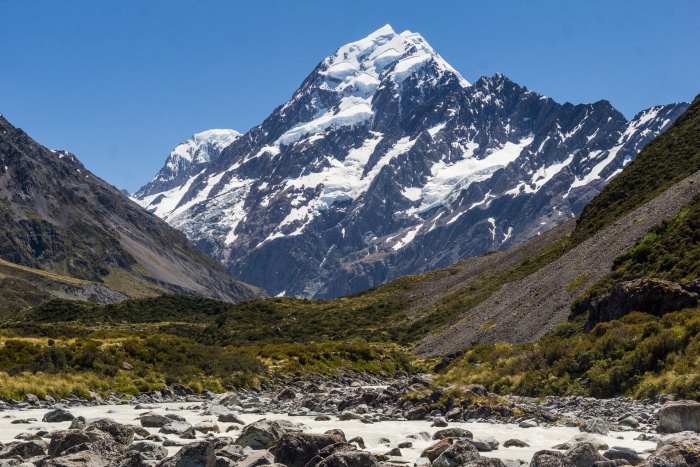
59	218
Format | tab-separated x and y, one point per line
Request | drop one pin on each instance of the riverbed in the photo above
396	431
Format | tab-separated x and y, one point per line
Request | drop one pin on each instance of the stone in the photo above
439	422
492	442
620	452
262	434
127	366
416	413
667	456
349	459
516	443
359	441
434	451
395	452
547	458
152	420
405	445
122	434
480	445
596	426
285	394
228	399
176	428
78	423
206	427
26	450
148	451
297	449
231	417
62	440
529	424
347	415
31	399
197	454
584	454
583	438
456	455
58	415
77	459
452	433
677	416
629	421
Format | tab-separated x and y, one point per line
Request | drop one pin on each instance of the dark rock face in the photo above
376	168
550	459
58	415
197	454
59	217
654	296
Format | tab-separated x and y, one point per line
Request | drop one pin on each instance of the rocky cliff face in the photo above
386	162
59	218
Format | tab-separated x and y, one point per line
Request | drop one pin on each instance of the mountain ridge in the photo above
61	218
386	162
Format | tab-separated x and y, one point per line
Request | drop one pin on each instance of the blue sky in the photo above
121	83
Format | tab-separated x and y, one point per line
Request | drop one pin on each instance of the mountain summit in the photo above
386	162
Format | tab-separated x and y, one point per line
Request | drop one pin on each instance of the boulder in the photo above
550	459
677	416
122	434
262	434
529	424
653	296
481	446
452	433
228	399
26	450
584	454
64	439
667	456
620	452
153	420
349	459
206	427
148	450
297	449
58	415
177	428
517	443
456	455
31	399
439	422
230	417
78	423
77	459
197	454
433	451
596	426
583	438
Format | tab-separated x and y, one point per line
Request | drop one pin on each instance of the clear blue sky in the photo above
121	83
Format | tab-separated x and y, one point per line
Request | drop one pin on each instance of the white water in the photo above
396	431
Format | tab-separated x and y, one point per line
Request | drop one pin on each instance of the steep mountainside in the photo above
60	218
386	162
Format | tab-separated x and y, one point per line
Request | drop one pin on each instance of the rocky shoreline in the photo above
225	439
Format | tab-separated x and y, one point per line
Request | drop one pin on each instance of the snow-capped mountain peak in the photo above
188	158
386	162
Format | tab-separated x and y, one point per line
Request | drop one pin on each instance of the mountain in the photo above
67	233
387	162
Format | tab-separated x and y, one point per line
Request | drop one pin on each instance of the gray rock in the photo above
78	423
197	454
677	416
481	446
26	450
452	433
439	422
667	456
584	454
176	428
297	449
550	459
620	452
58	415
529	424
122	434
153	420
359	441
349	459
230	417
456	455
31	399
517	443
148	451
347	415
64	439
77	459
583	438
206	427
596	426
629	421
492	442
262	434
